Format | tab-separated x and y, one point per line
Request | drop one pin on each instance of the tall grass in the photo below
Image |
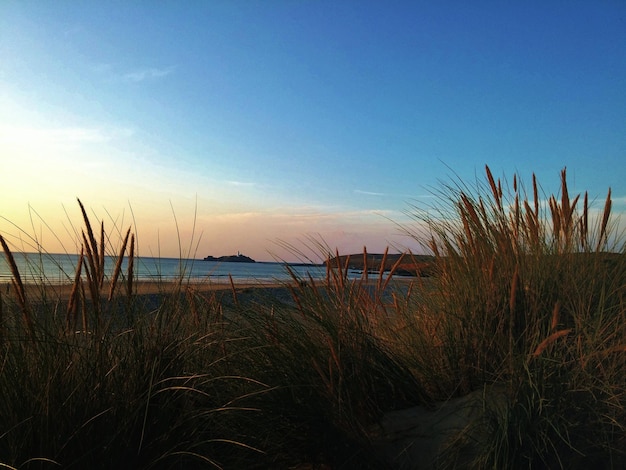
525	307
102	380
531	298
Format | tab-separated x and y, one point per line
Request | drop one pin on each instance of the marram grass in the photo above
526	306
532	299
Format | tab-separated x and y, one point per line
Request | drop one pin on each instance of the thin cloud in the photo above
147	74
241	183
621	200
68	135
392	195
368	193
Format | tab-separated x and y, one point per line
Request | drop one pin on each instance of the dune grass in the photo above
527	306
530	297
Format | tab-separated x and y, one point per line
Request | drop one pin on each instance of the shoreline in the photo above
62	291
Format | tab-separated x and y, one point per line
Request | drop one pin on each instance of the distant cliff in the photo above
238	258
410	265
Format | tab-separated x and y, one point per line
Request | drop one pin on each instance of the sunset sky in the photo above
254	123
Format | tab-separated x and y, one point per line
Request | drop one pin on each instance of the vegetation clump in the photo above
523	311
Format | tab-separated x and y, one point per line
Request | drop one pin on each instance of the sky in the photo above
216	127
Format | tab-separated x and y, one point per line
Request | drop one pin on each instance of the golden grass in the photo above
118	266
524	298
18	287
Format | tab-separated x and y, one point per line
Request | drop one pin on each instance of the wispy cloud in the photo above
147	74
368	193
61	135
405	196
67	135
304	227
241	183
618	206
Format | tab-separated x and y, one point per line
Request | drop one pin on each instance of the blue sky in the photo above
255	122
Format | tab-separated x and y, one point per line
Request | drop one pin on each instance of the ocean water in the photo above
61	268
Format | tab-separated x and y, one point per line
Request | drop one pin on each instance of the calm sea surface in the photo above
61	268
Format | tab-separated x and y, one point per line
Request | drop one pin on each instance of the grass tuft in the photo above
521	319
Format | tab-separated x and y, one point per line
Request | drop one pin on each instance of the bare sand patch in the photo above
62	292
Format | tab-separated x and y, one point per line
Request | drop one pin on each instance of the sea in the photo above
61	269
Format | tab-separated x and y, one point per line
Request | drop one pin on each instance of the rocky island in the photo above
238	258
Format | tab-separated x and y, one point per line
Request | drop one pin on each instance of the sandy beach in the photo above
62	291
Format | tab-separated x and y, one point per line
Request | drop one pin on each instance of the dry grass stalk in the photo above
381	270
512	311
434	246
330	273
469	233
118	266
346	265
92	272
339	275
469	209
393	269
513	292
101	257
334	354
16	279
92	245
565	202
496	191
93	290
564	192
296	298
584	223
531	225
83	307
556	218
191	299
566	213
483	209
605	220
1	315
536	197
72	301
18	286
365	267
570	213
131	265
555	316
233	290
328	269
549	340
516	218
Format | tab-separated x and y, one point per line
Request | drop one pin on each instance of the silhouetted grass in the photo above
526	299
532	299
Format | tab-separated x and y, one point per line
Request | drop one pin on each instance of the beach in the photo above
62	292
